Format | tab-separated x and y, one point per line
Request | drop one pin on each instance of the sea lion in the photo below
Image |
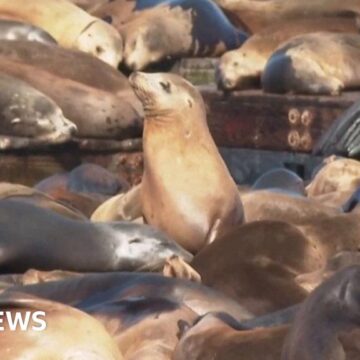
282	180
17	192
318	63
105	105
175	29
87	290
43	235
330	310
176	143
242	68
62	333
336	174
257	15
270	205
144	328
15	30
30	118
70	26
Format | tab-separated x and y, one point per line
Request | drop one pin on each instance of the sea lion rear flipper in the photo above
343	137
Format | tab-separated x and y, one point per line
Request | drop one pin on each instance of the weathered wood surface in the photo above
253	120
248	120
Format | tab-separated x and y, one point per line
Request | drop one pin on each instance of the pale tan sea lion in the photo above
337	174
177	144
242	68
69	333
70	26
322	63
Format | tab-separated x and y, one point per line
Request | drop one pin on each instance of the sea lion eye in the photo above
236	64
166	86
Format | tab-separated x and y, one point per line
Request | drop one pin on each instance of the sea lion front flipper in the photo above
176	267
343	137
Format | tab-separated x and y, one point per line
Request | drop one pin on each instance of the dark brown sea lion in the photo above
331	310
255	15
177	143
178	28
318	63
336	174
69	25
15	30
43	237
22	193
54	331
105	105
30	118
242	68
271	205
89	290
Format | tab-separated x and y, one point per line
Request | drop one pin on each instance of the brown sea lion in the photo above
318	63
272	205
177	143
30	118
255	15
337	174
26	194
70	26
331	310
44	235
178	28
242	68
54	331
88	290
144	328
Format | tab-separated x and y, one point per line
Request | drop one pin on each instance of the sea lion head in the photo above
162	94
103	41
239	69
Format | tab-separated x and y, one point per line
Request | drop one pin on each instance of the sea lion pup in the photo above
280	180
318	63
105	106
337	174
175	29
272	205
255	15
15	30
43	235
30	118
342	138
70	26
144	328
52	331
17	192
330	310
216	337
242	68
177	143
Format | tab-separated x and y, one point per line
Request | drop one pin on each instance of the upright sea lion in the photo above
30	118
336	174
15	30
175	29
331	309
256	15
43	237
105	105
318	63
242	68
26	194
54	331
177	143
70	26
282	180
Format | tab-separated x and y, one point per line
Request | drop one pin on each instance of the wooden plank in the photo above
254	120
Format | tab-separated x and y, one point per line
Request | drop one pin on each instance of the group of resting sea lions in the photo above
187	264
